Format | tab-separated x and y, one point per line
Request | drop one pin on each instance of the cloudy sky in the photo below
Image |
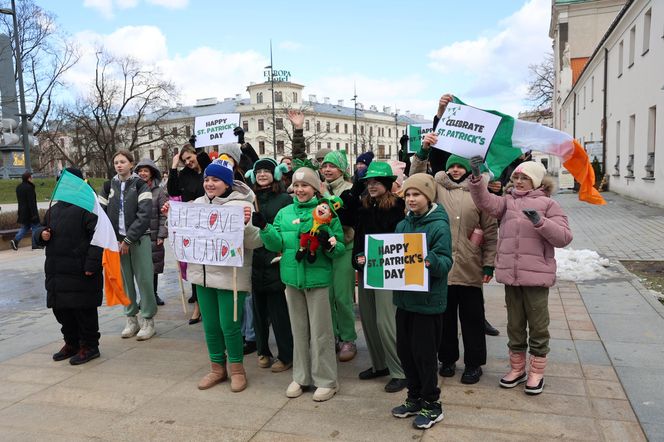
403	54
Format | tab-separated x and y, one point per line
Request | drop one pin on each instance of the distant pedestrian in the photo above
532	225
28	214
158	232
74	278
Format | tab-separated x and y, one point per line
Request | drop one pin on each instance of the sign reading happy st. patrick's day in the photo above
206	233
395	261
416	133
466	131
215	129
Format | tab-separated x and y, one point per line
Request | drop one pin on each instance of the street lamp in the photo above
274	118
21	92
354	99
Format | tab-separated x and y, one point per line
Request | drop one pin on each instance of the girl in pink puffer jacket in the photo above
531	226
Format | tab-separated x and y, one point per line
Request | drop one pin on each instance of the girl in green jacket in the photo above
314	359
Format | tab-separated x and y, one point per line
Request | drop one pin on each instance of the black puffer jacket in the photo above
373	219
69	255
27	203
188	183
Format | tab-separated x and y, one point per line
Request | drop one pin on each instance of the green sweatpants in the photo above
378	313
314	359
342	295
137	264
222	334
528	307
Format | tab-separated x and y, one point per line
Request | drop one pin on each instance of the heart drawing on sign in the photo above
224	249
185	242
213	218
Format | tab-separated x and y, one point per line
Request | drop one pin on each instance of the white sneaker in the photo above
147	330
131	328
294	390
323	394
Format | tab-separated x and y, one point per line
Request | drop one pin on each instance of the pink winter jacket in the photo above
525	252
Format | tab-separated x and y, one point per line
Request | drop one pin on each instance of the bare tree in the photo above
46	55
285	130
128	107
541	83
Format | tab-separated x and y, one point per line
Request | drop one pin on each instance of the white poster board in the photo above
206	233
395	261
466	131
215	129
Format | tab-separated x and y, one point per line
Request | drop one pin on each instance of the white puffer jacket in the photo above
221	277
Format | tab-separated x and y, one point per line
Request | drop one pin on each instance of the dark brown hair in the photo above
385	202
125	153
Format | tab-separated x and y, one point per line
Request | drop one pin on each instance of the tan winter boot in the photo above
535	382
217	374
517	374
238	377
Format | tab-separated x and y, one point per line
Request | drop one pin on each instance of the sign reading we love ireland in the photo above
466	131
395	261
206	233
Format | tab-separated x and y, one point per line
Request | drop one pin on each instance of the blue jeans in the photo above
248	319
24	230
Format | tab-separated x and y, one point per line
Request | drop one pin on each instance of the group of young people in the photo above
305	226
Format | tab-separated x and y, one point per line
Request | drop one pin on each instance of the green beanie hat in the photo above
456	159
339	160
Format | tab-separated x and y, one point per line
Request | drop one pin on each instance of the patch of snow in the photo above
580	265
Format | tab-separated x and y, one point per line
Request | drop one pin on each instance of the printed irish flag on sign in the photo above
395	261
73	190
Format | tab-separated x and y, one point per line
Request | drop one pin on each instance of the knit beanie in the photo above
422	182
338	159
320	155
232	150
456	159
366	158
533	170
75	171
307	176
221	169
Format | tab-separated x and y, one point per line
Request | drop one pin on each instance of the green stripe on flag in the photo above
501	151
71	189
375	277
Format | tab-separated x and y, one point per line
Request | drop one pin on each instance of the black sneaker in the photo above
158	299
429	415
85	354
410	407
370	373
447	370
14	244
490	329
249	347
66	352
395	385
471	375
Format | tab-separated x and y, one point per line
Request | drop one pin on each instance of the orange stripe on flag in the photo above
582	171
414	270
113	287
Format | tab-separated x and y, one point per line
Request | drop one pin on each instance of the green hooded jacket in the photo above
439	254
283	235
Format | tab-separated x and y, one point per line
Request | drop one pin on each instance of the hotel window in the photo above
294	97
345	128
280	147
152	154
306	124
592	89
261	124
632	45
187	130
329	145
278	97
261	147
317	126
338	146
336	127
621	50
584	97
389	132
647	19
361	130
327	127
245	126
259	98
279	123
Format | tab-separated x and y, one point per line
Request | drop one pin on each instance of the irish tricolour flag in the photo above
73	190
513	137
395	261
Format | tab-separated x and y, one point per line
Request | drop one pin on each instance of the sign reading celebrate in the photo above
206	233
395	261
466	131
215	129
416	133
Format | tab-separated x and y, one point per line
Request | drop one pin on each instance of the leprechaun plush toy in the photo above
319	233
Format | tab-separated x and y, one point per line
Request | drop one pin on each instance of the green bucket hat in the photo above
379	169
456	159
339	160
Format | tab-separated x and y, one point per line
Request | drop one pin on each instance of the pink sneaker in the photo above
347	352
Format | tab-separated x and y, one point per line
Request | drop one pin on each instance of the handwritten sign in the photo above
416	133
395	261
466	131
206	233
215	129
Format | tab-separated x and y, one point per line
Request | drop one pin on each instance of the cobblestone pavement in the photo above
604	381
